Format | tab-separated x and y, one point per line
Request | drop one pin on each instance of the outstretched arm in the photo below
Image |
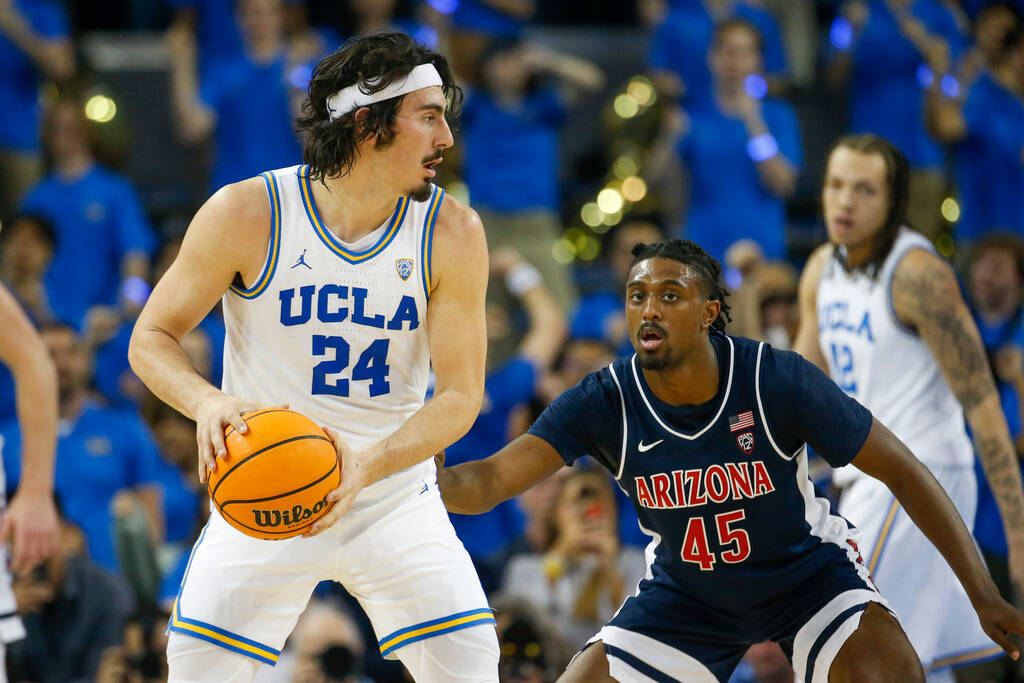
925	296
30	521
477	486
885	458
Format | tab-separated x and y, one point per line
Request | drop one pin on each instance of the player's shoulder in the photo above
818	259
458	220
458	239
814	269
239	207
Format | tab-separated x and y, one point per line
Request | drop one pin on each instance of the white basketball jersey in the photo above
882	363
336	330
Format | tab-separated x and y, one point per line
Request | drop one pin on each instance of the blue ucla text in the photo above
337	303
837	316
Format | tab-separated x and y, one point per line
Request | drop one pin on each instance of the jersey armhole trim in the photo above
427	249
900	325
273	249
760	408
622	401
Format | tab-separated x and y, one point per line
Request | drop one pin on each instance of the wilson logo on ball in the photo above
295	515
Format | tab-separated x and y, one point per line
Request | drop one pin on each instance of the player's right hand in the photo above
213	416
999	619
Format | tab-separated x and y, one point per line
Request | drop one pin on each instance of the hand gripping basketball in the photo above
352	482
212	417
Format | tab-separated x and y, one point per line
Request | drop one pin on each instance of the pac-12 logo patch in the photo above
404	267
746	442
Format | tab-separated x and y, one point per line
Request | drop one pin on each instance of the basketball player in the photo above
325	271
881	312
30	522
707	434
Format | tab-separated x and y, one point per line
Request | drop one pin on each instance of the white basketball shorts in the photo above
932	605
395	551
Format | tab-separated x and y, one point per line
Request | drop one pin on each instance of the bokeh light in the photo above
624	167
634	189
950	210
563	250
609	200
591	214
641	90
100	108
625	106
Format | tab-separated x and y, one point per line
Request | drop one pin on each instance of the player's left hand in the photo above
352	482
30	526
999	619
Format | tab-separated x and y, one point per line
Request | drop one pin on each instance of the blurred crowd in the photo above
714	129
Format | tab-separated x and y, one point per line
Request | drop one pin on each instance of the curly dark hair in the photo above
706	266
329	147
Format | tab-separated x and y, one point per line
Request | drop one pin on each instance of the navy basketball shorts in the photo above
663	634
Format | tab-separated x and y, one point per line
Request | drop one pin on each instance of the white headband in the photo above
351	98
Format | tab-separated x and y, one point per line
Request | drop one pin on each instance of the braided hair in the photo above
707	268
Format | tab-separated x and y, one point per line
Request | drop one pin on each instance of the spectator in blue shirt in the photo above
678	55
103	237
214	25
511	165
509	385
100	452
475	23
248	102
988	130
884	48
27	244
995	284
34	45
742	152
990	28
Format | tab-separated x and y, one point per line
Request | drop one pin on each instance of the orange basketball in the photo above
274	480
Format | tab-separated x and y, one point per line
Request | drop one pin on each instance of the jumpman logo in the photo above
302	261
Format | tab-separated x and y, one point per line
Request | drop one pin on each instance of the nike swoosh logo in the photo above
644	447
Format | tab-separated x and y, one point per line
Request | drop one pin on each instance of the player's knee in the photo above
877	652
190	660
469	655
589	666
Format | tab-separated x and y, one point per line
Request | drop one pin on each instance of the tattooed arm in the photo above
926	297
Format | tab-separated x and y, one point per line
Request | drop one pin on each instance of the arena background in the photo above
616	178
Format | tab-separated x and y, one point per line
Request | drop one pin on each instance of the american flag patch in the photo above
741	421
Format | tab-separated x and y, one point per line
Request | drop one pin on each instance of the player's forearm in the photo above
999	460
36	396
434	427
468	489
162	365
194	120
54	58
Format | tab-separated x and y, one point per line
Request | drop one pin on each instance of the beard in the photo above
653	362
421	193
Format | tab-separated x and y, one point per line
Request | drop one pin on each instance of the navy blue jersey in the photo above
721	487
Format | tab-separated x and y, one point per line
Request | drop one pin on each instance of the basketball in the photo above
273	482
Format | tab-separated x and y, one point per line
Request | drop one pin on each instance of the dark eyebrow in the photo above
432	107
641	283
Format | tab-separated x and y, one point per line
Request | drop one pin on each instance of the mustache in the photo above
652	327
434	157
